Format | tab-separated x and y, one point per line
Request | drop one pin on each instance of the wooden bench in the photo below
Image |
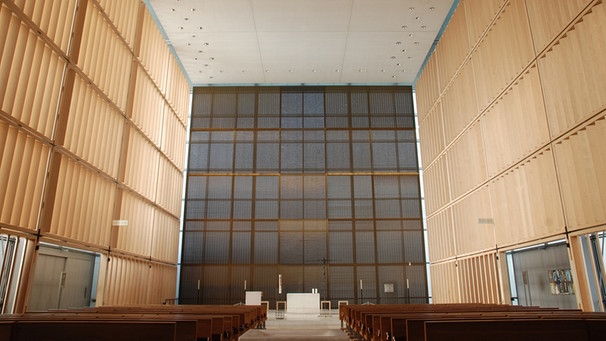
214	323
98	330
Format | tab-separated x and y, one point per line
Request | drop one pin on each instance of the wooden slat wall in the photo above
582	165
96	127
82	210
92	129
22	169
512	137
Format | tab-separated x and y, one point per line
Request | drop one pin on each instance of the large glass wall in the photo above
317	184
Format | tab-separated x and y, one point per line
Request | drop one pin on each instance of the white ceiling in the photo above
301	41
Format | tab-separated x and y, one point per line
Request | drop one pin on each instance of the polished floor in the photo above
299	327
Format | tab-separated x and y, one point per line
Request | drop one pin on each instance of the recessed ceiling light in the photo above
180	27
338	70
186	18
410	34
393	57
212	58
200	51
423	27
193	35
398	42
416	43
431	8
196	58
398	64
314	70
172	9
200	27
267	71
359	70
404	50
382	70
418	18
404	27
290	71
193	9
393	76
188	44
206	44
411	8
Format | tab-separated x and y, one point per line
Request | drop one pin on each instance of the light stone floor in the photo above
299	327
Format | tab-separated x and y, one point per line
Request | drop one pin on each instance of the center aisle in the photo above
299	327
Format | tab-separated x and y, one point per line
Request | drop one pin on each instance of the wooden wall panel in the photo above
515	125
126	281
23	162
83	205
549	17
105	58
444	283
178	90
148	107
480	14
154	54
169	190
30	75
478	279
504	51
142	166
569	68
137	236
459	106
53	17
94	127
454	48
466	163
526	202
173	134
165	238
162	285
121	13
437	187
472	232
441	237
581	165
432	131
427	88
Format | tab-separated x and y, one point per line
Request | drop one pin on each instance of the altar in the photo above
303	303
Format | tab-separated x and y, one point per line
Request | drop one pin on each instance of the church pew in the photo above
99	330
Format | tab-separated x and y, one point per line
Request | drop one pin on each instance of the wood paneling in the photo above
432	131
52	17
503	52
466	164
515	125
478	278
441	236
95	127
121	13
427	87
30	75
526	201
572	83
437	188
454	47
528	156
83	205
102	47
142	166
165	238
459	106
137	236
444	283
581	165
470	216
480	14
549	17
23	162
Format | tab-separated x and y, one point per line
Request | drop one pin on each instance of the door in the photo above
62	279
